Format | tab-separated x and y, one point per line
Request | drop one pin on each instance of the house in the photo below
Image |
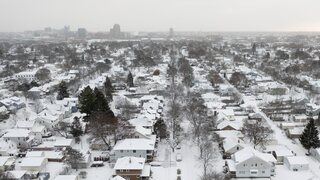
250	163
8	148
295	132
67	177
229	113
34	93
142	122
22	137
26	76
35	154
315	153
279	152
229	125
6	163
296	163
302	118
12	103
132	168
231	146
63	143
134	147
33	164
18	175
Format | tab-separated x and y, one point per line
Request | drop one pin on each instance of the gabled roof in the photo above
134	144
17	133
134	163
249	152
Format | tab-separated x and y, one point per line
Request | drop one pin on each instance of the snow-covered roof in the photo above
118	178
17	133
129	163
25	124
134	144
229	143
297	160
141	121
3	160
34	154
280	150
63	142
248	152
226	123
66	177
16	174
32	161
146	171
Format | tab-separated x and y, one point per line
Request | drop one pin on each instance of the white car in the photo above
178	157
155	163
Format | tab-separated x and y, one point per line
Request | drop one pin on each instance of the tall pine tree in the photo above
130	80
101	103
108	89
87	100
309	138
76	128
62	91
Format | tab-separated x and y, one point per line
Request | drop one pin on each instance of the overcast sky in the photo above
160	15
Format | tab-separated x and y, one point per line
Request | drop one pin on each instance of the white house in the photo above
231	146
26	76
22	137
296	163
250	163
279	152
33	164
134	147
132	168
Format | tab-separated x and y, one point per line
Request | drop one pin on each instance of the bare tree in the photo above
102	126
208	156
197	115
62	128
257	132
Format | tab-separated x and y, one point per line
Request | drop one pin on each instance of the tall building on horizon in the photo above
115	32
82	33
171	33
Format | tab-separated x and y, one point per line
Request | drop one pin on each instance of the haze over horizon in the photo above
156	15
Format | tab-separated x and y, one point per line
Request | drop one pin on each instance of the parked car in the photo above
155	163
178	157
97	164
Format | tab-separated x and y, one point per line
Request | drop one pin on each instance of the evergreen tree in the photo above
76	128
108	89
73	158
87	100
160	129
130	80
101	103
62	91
309	138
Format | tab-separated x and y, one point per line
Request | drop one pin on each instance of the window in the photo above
254	172
263	172
134	151
256	164
237	148
121	151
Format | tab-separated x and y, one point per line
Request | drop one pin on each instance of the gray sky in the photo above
160	15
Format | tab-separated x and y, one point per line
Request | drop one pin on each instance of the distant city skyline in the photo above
161	15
